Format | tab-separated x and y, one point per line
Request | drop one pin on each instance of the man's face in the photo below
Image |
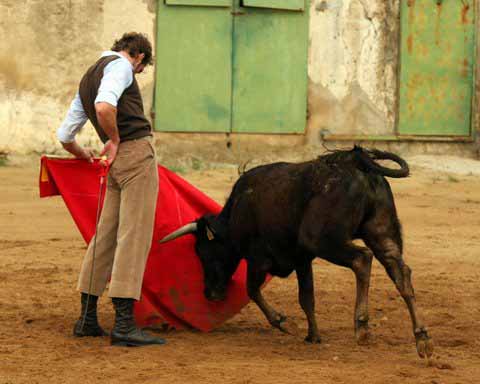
138	67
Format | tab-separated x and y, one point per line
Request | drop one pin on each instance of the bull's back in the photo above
267	201
272	200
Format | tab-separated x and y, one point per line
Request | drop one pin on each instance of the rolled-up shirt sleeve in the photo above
74	121
117	76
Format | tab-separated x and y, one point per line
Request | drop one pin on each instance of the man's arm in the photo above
74	121
107	118
78	151
117	76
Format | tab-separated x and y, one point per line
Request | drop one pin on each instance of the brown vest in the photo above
131	120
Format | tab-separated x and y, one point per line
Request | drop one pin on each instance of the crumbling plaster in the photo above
353	64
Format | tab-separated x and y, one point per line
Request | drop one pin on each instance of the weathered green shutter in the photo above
201	3
270	71
222	68
193	66
294	5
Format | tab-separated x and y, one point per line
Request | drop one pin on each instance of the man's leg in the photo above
139	191
92	282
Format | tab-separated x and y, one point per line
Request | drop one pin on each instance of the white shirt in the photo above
117	76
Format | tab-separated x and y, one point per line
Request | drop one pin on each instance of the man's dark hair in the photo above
135	43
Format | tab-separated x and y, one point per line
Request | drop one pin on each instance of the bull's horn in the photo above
188	228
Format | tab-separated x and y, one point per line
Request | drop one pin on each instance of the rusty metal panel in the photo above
437	62
293	5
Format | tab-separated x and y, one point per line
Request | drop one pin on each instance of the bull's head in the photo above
212	247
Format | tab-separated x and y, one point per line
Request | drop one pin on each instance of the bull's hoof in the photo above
285	325
424	343
362	335
313	339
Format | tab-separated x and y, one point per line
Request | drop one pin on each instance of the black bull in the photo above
280	216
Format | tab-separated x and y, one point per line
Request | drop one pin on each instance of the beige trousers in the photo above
125	228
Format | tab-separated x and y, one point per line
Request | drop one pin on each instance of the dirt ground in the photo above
41	251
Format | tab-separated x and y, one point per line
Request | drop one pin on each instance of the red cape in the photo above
173	282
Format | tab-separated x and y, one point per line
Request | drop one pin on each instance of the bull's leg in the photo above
359	260
388	252
255	279
361	266
307	300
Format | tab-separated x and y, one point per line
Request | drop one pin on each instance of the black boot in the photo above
87	324
125	333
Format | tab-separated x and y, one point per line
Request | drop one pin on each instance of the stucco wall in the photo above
48	46
353	64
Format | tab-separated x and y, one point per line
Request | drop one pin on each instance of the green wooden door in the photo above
193	66
231	66
437	61
270	66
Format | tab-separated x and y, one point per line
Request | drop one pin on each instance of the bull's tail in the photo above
368	157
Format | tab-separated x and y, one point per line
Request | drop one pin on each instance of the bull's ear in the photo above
210	227
216	226
210	234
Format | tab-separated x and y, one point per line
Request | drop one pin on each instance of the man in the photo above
110	98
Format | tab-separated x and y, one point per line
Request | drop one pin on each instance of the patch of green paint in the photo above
214	110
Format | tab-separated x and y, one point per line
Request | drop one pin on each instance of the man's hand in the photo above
110	149
87	154
79	152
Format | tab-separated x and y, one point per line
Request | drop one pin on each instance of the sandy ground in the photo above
41	250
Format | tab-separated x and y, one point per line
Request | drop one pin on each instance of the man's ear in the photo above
141	56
